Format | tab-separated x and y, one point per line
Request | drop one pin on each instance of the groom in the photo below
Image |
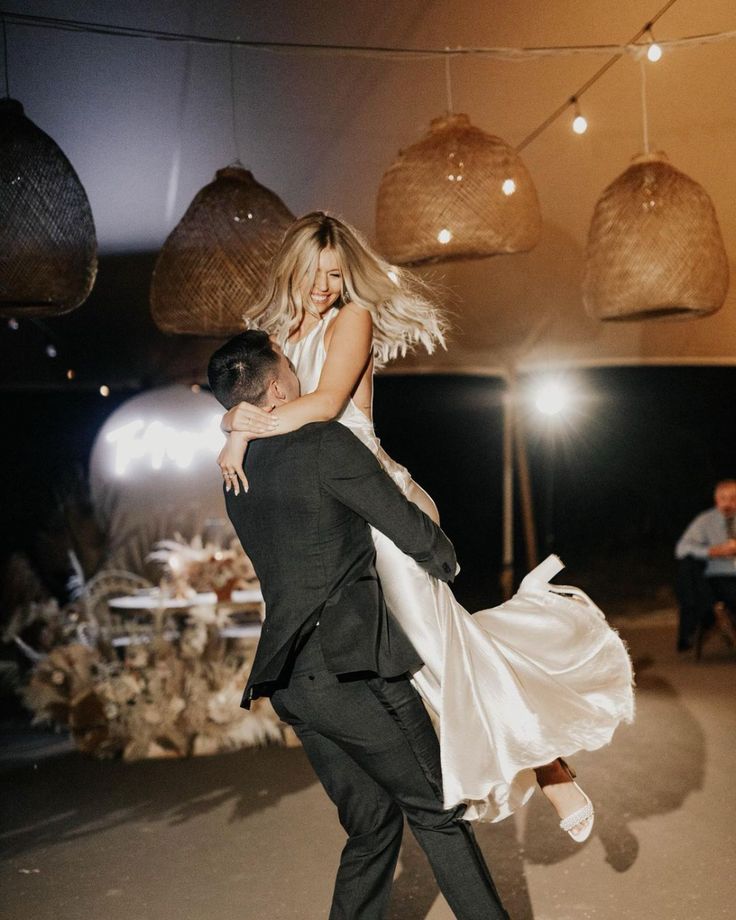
331	657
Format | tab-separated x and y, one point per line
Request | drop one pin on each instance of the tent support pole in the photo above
525	486
507	483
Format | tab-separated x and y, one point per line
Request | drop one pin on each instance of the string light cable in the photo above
634	47
644	112
448	81
233	108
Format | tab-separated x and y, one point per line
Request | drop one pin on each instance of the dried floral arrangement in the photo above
162	699
148	694
194	567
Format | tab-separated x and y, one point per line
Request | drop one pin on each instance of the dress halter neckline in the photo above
320	322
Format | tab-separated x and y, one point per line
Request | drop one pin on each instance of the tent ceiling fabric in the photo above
146	124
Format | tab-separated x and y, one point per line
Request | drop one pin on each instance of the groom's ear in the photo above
276	391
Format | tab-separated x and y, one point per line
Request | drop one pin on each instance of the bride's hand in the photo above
248	419
230	460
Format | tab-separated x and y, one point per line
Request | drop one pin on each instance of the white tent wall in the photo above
146	123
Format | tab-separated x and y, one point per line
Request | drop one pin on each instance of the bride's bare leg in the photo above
556	781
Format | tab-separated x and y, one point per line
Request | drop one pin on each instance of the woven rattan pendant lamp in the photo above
458	193
215	262
655	249
48	248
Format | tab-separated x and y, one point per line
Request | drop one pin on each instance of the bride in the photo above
515	688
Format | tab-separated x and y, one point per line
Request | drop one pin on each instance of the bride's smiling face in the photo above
321	291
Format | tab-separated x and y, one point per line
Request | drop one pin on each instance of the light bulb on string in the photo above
444	236
654	51
51	351
579	122
508	187
104	390
13	324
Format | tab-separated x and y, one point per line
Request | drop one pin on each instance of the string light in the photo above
579	122
13	324
444	236
70	374
104	390
508	187
550	119
51	351
654	51
196	388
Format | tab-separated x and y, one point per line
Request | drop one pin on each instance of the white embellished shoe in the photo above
584	816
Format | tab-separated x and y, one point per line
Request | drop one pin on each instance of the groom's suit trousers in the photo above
375	751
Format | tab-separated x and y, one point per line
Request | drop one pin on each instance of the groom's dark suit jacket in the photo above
304	524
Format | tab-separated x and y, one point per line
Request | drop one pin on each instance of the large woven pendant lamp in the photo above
215	262
458	193
48	247
655	249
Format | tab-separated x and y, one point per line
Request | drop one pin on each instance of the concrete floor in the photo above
250	835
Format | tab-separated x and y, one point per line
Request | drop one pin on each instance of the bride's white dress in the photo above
540	676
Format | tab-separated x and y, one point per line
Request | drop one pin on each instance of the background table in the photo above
158	604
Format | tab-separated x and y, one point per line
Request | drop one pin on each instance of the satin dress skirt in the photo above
540	676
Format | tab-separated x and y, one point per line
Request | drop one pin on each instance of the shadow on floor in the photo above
626	782
62	799
654	765
58	799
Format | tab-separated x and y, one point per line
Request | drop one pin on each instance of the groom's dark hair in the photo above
242	368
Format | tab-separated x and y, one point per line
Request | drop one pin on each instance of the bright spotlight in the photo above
552	397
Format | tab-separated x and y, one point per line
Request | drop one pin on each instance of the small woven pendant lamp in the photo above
215	262
48	247
655	249
458	193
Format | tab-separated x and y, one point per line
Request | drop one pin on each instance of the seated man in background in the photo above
706	554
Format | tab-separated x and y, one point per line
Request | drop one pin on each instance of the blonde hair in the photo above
404	314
